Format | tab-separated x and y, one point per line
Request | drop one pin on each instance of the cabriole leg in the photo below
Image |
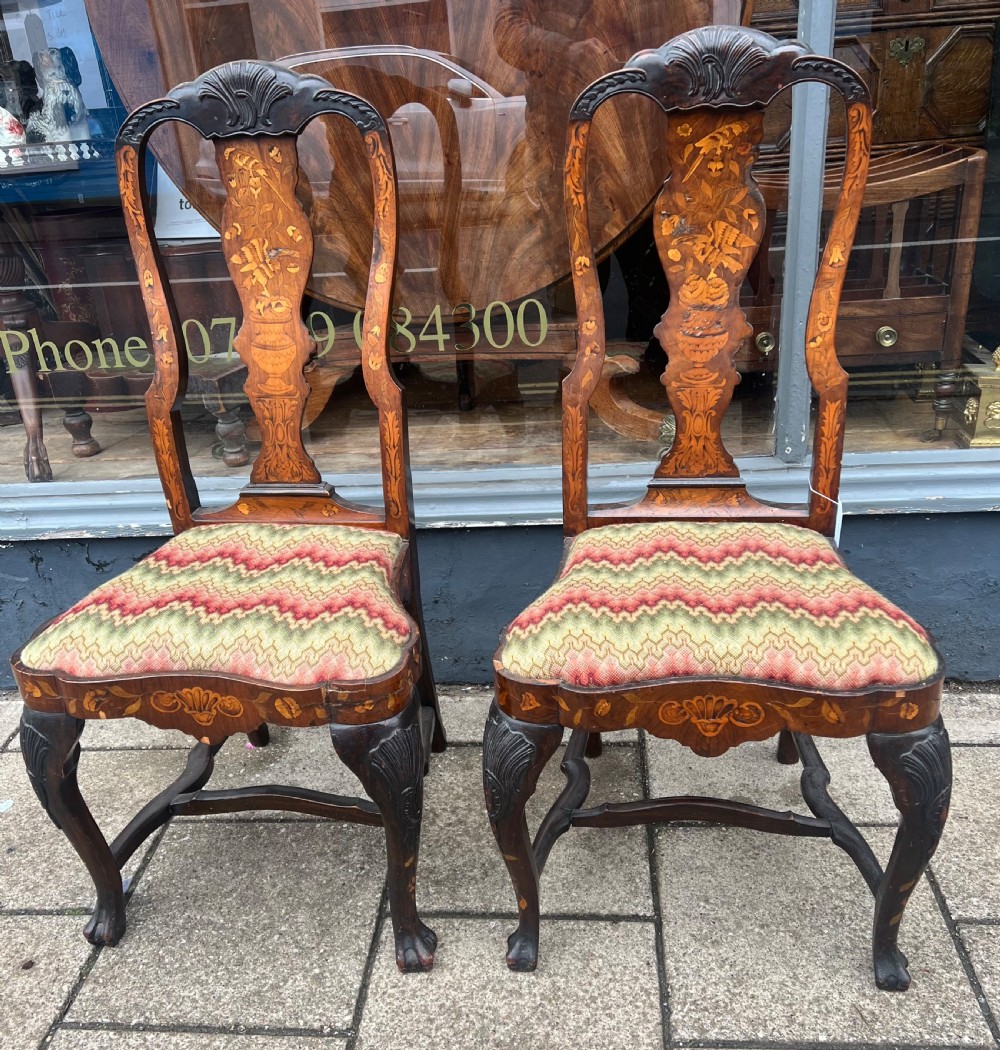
51	750
514	754
918	768
387	758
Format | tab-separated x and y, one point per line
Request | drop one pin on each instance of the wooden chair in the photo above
700	613
291	607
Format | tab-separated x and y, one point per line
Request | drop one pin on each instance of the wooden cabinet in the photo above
926	62
928	65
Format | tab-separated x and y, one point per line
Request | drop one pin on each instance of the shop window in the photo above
477	95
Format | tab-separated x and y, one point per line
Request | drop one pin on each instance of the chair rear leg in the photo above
426	688
387	758
427	692
788	753
51	750
514	754
261	736
918	769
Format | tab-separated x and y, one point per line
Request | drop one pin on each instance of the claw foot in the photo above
522	951
106	926
36	461
415	951
891	974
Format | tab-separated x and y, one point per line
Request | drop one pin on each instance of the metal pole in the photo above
810	110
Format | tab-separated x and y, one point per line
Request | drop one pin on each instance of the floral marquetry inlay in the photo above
268	247
711	714
202	705
708	226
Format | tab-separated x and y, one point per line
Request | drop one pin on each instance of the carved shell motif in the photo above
716	60
248	90
507	756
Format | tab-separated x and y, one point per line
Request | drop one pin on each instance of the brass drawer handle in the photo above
886	336
765	342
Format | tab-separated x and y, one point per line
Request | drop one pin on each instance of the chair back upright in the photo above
715	83
254	113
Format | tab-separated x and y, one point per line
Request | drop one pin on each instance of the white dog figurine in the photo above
63	116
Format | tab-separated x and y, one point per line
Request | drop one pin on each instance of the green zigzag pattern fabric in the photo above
285	604
773	603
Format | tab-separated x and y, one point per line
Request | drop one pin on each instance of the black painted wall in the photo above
944	569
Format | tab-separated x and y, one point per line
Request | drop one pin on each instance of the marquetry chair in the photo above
291	607
700	613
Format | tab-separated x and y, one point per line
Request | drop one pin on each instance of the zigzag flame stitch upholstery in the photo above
289	604
774	603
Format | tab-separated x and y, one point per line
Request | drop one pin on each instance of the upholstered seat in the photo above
297	605
637	603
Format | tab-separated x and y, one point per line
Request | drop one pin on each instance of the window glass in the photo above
476	95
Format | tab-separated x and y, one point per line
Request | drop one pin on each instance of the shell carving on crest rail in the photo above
716	61
718	66
248	90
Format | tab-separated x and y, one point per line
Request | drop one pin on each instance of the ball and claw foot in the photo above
415	951
891	974
522	952
106	926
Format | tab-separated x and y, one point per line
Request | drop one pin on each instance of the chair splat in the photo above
254	112
268	247
715	83
708	226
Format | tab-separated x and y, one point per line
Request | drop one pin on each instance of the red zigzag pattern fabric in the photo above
287	604
772	603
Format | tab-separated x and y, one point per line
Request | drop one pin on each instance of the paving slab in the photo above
595	988
104	1039
41	957
464	709
972	716
768	939
596	871
38	867
297	757
751	773
131	734
10	716
237	924
983	944
967	863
